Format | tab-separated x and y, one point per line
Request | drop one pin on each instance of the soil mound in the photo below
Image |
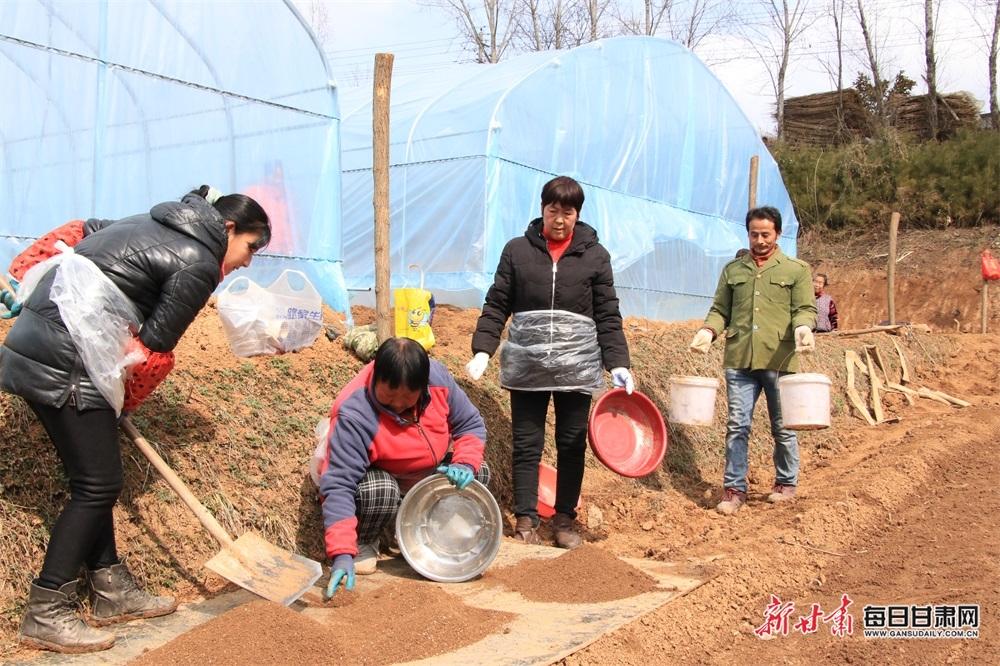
261	632
587	574
409	620
395	623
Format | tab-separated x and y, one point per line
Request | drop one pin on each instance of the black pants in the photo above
84	533
527	413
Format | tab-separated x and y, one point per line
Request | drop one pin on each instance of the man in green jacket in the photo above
765	305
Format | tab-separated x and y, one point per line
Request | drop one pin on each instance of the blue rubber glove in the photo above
343	570
459	474
9	300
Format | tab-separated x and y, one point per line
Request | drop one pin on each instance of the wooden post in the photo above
754	166
985	308
893	231
380	198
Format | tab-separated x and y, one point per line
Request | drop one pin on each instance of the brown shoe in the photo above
51	622
525	531
781	493
115	597
732	501
564	531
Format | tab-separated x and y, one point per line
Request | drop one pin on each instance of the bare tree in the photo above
994	108
986	14
541	25
487	26
931	72
772	42
685	21
871	49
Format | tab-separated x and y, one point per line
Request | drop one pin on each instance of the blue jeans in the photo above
743	387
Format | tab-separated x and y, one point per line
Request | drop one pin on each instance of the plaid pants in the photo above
378	498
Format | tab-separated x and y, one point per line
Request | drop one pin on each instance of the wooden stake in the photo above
893	231
380	198
985	306
754	167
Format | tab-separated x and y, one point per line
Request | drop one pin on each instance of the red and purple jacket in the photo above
364	433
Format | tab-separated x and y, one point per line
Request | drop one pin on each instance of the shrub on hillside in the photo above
931	184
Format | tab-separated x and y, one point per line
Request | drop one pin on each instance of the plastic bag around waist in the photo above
551	350
100	319
275	319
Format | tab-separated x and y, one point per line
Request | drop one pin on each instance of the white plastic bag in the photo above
322	435
101	320
270	320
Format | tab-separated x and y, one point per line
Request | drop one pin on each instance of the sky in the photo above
426	41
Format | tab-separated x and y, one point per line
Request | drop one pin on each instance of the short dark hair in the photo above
826	280
765	213
564	191
248	215
742	252
402	362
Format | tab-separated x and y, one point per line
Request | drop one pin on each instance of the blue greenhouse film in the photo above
183	103
659	145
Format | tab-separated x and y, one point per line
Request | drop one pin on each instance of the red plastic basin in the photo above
627	433
547	491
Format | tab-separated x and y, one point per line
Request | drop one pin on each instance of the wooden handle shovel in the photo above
249	561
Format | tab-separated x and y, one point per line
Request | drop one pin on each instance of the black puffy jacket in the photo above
168	262
583	284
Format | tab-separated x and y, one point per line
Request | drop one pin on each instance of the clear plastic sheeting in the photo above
101	320
551	350
111	107
661	148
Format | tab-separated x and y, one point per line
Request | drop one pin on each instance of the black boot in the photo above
565	532
51	622
115	597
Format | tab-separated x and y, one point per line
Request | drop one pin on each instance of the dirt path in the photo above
905	514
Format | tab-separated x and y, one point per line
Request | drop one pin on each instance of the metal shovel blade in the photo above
266	570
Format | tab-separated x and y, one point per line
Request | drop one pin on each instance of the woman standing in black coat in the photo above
167	263
556	281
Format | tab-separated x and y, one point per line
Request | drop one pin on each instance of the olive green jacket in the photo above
760	308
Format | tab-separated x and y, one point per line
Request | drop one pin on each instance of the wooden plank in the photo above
859	404
880	362
852	393
903	365
754	168
958	402
908	393
932	395
855	360
876	384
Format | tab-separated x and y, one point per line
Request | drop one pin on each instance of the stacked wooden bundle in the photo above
825	118
955	110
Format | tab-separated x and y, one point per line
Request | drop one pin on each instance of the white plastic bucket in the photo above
692	400
805	401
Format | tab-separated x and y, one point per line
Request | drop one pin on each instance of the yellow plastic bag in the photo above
414	310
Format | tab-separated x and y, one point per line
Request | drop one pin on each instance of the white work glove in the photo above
702	341
477	366
804	340
622	378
